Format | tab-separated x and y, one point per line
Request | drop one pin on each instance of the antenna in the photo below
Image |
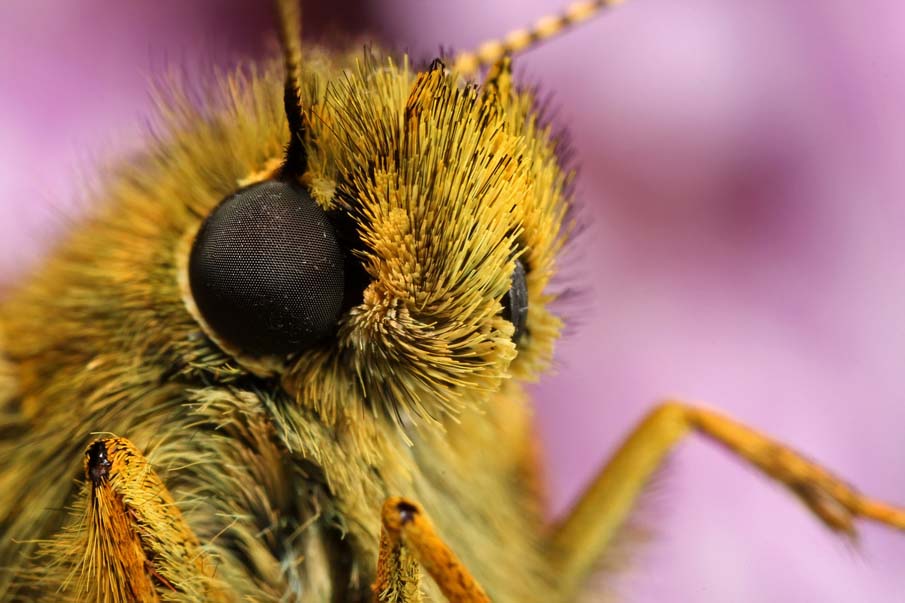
491	51
289	27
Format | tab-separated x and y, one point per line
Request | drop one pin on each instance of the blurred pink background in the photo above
746	207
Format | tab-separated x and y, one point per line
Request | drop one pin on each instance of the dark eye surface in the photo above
266	271
515	303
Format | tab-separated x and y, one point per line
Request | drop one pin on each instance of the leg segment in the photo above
129	541
581	537
408	540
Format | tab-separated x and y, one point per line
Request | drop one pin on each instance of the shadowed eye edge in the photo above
515	302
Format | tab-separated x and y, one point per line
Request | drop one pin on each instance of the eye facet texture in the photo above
266	271
515	303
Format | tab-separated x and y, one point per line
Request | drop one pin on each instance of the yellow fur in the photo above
282	477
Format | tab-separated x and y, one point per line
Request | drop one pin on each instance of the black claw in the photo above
407	512
98	463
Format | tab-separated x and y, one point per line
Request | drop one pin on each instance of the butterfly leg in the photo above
582	536
409	542
128	540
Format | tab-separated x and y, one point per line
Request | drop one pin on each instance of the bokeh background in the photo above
744	203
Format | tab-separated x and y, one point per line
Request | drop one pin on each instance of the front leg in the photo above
582	537
408	541
129	542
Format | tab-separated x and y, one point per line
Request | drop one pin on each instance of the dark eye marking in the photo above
266	271
515	302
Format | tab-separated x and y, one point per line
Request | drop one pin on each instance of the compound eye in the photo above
266	271
515	303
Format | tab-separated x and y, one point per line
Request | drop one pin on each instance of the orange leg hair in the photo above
128	541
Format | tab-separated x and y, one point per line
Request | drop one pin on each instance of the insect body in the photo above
329	284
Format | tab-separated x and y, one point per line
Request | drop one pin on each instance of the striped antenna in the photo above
289	27
468	62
